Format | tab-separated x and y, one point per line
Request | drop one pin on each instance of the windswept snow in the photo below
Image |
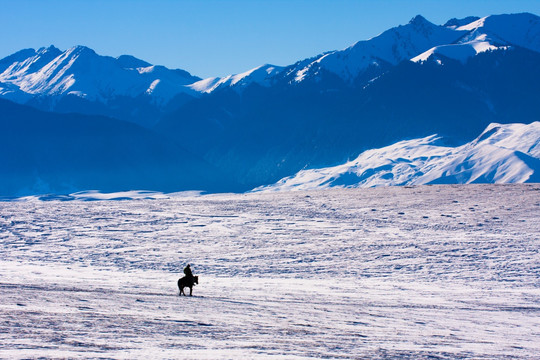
515	29
447	272
507	153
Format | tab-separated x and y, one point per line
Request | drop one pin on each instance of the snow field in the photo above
444	271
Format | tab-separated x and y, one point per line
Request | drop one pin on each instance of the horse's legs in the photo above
190	290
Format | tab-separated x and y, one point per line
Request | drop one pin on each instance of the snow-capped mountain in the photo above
48	76
389	48
501	154
80	71
42	78
270	123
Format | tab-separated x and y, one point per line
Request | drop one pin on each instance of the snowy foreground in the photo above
411	272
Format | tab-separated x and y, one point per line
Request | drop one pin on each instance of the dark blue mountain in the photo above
62	153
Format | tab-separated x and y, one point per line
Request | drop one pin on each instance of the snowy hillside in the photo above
501	154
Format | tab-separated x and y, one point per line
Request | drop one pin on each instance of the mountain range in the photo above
270	122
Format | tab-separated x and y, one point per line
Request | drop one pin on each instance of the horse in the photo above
187	282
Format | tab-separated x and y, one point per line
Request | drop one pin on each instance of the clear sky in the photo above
220	37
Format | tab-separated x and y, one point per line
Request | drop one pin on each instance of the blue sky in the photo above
220	37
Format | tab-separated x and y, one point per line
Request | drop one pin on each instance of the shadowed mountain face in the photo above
63	153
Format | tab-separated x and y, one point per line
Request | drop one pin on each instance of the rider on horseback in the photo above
187	281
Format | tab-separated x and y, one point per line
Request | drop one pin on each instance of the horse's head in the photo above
196	279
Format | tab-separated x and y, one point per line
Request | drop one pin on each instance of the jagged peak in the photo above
419	20
48	49
48	52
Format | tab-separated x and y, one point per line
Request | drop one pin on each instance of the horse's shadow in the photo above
187	282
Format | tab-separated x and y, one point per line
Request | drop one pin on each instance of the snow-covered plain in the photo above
412	272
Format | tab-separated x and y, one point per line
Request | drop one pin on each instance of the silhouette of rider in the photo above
188	273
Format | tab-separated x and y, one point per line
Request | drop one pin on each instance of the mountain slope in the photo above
63	153
501	154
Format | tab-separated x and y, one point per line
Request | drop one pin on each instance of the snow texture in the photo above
446	272
508	153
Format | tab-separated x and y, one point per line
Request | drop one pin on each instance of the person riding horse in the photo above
187	281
